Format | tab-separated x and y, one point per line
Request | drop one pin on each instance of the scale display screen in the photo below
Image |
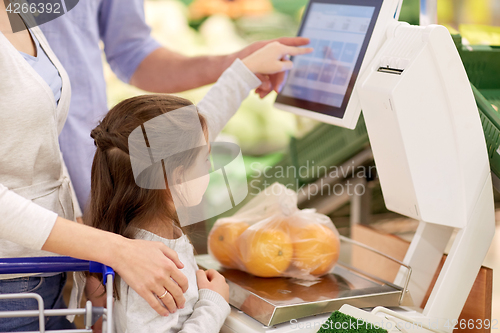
323	81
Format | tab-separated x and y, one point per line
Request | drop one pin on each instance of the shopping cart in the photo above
57	265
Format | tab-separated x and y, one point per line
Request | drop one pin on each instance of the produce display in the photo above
271	237
231	8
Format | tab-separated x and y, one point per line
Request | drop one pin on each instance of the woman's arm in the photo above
147	267
22	221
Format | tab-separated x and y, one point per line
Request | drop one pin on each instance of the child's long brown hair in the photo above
116	203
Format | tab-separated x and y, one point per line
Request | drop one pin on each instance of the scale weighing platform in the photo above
272	301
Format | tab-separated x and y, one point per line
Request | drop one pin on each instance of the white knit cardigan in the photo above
34	185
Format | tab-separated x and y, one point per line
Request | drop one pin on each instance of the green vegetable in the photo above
342	323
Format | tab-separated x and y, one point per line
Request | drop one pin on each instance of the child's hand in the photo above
273	58
214	281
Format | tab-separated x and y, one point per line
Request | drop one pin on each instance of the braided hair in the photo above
116	203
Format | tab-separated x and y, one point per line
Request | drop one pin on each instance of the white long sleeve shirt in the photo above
34	185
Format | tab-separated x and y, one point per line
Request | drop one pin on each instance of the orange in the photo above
279	222
266	251
222	242
315	248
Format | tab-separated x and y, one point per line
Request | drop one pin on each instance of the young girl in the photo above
119	205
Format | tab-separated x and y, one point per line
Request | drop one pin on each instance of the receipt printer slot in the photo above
390	70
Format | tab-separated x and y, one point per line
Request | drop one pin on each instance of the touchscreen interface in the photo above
322	81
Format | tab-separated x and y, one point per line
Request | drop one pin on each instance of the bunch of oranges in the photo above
277	247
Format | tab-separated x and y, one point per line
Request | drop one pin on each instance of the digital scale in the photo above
431	158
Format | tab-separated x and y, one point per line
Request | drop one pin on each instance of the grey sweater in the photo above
204	311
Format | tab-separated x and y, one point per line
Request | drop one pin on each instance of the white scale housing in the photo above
431	157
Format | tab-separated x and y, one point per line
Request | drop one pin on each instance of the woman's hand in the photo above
151	268
214	281
273	58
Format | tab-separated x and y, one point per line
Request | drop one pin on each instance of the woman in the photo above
36	206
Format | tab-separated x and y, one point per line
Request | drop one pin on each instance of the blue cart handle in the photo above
51	265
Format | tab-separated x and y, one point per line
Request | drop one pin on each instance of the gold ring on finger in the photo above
164	294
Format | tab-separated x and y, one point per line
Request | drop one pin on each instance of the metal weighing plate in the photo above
276	300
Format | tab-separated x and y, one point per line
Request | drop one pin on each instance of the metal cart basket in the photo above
57	265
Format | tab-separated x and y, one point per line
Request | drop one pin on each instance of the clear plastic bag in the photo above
270	237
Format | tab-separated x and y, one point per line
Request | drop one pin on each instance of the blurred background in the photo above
221	26
265	134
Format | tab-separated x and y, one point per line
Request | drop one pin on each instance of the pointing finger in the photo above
294	41
291	50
